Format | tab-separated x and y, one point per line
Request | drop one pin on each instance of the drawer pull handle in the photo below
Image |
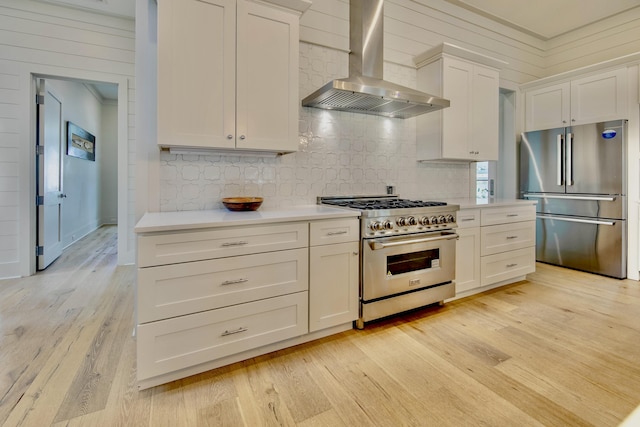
240	243
512	214
235	331
335	233
467	219
512	237
234	282
511	265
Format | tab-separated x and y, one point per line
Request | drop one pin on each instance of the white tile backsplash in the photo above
339	153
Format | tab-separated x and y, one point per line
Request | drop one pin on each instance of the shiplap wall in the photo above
45	39
414	26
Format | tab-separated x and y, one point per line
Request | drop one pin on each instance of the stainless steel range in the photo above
408	252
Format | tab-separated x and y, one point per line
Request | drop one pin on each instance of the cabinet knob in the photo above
229	136
242	137
355	253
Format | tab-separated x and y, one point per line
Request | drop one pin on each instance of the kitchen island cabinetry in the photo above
590	99
216	287
496	245
334	272
468	129
245	296
219	63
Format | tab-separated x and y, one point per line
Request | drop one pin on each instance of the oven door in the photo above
394	265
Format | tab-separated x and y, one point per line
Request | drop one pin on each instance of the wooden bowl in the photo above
242	203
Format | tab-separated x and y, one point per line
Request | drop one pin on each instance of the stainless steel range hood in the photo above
365	91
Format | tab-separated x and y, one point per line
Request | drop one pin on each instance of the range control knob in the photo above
450	218
441	219
424	220
411	221
376	226
402	221
433	220
387	225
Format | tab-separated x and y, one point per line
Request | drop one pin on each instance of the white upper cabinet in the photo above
590	99
468	129
228	74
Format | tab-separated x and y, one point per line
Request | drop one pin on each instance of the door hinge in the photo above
39	200
39	99
39	250
39	150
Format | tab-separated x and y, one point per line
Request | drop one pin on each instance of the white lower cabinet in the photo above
496	247
334	273
468	250
213	296
206	294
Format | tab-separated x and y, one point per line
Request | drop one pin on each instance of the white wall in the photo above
54	41
108	209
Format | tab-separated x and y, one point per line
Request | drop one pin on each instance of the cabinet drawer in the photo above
185	246
502	215
178	289
173	344
507	265
334	231
507	237
468	218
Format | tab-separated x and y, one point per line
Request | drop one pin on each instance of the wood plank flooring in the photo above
559	349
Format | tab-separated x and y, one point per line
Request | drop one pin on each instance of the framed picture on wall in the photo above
80	143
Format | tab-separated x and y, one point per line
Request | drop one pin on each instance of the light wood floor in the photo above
561	349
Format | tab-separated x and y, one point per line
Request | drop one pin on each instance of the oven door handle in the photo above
375	245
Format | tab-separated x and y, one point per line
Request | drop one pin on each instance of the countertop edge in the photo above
153	222
475	204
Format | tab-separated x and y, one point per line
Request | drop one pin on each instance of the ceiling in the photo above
546	19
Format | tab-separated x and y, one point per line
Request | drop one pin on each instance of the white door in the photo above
49	171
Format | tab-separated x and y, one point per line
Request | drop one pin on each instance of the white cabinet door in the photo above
467	259
548	107
196	73
599	98
484	138
333	285
267	76
457	83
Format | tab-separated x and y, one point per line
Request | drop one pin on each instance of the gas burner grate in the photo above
383	204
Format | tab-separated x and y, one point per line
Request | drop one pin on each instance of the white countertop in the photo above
469	203
188	220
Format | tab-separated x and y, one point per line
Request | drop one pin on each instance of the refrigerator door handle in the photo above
580	220
569	177
559	159
555	196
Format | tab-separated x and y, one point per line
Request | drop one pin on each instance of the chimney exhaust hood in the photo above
365	91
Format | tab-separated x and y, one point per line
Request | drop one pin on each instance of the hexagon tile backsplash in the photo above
339	153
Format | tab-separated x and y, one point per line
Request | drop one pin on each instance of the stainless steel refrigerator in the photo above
578	176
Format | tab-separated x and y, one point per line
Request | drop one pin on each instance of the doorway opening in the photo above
76	189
